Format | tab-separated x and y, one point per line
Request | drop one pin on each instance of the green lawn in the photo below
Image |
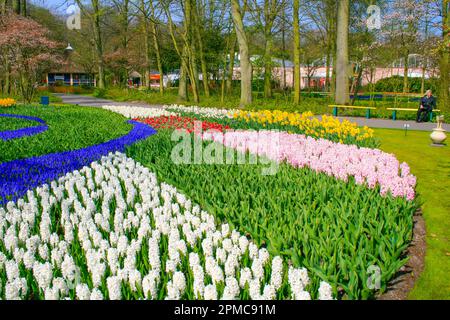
431	165
69	128
14	123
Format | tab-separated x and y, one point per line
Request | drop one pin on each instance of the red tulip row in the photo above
177	122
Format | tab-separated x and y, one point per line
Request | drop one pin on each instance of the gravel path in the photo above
372	123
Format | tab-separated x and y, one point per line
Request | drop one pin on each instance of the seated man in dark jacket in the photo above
427	104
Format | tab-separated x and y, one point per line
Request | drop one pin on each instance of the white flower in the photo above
149	283
276	278
172	292
255	288
325	291
257	269
231	290
210	292
263	255
135	279
11	291
16	289
303	295
179	281
96	294
12	270
298	279
114	288
61	286
43	273
246	276
83	292
243	244
269	292
51	293
253	250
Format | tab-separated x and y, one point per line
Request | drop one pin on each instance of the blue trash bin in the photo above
45	101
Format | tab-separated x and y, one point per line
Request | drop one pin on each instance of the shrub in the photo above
395	84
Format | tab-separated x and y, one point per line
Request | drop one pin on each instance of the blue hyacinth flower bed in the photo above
24	132
18	176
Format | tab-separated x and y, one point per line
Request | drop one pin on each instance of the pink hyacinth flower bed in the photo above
371	166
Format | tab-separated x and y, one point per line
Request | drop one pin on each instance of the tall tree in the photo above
198	23
188	53
2	6
342	58
123	9
237	12
95	13
330	82
232	53
145	34
23	8
297	52
444	100
156	46
16	6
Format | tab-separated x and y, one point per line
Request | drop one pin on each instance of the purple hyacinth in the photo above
19	176
19	133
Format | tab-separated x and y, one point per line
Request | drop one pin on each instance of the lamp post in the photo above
68	50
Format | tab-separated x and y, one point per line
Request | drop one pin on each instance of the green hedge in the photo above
395	84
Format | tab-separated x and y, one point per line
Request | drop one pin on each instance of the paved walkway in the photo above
90	101
372	123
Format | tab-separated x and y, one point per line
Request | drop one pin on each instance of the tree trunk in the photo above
245	64
268	68
331	17
328	69
191	51
157	49
125	27
198	23
23	8
145	33
268	50
229	84
158	60
16	6
405	73
98	43
182	86
2	6
357	84
445	54
297	54
342	63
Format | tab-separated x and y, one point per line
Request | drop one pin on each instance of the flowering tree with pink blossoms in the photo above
30	53
400	28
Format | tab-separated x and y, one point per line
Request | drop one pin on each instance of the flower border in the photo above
23	132
19	176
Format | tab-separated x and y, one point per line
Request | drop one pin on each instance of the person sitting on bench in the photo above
427	104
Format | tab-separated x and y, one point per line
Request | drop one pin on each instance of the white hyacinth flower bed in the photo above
133	112
203	111
112	231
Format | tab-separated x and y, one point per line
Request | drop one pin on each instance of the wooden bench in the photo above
394	112
336	107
